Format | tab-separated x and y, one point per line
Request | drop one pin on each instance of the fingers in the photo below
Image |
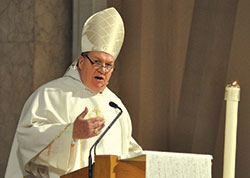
101	127
83	114
99	124
97	120
98	130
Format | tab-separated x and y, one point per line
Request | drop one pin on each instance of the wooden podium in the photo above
108	166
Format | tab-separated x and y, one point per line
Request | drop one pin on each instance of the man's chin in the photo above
99	89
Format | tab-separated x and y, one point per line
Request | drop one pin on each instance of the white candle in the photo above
232	97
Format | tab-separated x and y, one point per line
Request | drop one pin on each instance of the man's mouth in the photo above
99	78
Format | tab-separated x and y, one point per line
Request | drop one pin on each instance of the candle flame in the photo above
235	83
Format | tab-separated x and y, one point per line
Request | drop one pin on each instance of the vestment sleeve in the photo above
134	147
44	133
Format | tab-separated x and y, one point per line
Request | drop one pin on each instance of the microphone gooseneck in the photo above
114	105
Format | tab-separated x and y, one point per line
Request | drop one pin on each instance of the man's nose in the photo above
102	69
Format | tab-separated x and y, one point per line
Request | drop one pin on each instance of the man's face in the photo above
96	79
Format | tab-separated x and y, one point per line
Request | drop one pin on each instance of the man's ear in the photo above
80	62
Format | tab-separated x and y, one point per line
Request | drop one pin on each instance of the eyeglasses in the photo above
97	64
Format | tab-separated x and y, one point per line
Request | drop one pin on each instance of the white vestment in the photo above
43	142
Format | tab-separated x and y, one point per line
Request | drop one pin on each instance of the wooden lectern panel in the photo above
104	166
81	173
130	169
108	166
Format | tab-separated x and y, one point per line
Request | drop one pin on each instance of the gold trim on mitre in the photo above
103	31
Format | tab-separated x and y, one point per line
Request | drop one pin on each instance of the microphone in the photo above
113	105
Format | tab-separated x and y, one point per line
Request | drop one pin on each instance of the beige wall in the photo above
35	47
171	73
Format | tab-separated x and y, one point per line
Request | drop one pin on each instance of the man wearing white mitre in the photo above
63	118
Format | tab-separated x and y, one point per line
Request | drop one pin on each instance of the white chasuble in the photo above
43	143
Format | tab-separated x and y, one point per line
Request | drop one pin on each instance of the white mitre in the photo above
103	31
